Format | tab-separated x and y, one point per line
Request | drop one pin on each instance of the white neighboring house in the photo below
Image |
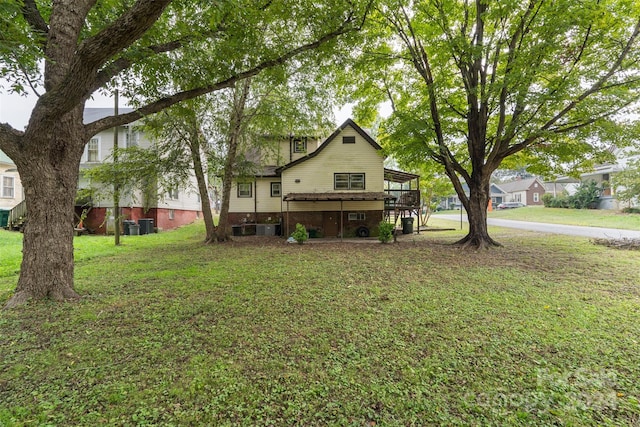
178	206
10	186
605	176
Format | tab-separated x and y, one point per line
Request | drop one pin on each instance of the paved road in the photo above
573	230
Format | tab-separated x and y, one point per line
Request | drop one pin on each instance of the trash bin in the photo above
407	225
126	226
146	225
134	229
4	218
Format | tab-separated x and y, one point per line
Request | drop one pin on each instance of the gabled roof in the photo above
333	136
520	185
5	159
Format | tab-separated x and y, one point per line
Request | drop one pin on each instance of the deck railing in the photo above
17	214
404	199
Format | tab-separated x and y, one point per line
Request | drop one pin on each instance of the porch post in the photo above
341	222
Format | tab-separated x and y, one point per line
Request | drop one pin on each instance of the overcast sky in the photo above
15	109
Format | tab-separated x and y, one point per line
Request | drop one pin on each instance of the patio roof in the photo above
336	197
399	176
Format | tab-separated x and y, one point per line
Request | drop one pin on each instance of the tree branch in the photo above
10	140
159	105
34	19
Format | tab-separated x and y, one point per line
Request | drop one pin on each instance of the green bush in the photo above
586	197
300	234
385	231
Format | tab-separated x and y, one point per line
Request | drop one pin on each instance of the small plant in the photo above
300	234
385	231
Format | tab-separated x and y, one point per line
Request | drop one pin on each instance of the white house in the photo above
176	206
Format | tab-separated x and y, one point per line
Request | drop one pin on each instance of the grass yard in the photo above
584	217
542	331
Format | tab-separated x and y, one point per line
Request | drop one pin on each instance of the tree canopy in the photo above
472	83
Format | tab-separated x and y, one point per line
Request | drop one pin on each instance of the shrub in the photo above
586	197
385	231
631	210
300	234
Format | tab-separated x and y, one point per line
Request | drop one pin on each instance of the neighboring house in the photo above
528	191
495	192
604	176
334	188
177	206
10	187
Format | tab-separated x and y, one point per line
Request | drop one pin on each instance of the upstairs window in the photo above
348	181
348	139
300	145
172	194
132	138
8	183
93	150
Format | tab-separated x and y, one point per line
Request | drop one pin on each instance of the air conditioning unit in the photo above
265	230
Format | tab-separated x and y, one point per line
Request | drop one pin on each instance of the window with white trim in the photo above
172	214
357	216
536	197
173	194
8	187
348	181
132	138
245	189
93	150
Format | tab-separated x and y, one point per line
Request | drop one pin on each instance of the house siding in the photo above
317	175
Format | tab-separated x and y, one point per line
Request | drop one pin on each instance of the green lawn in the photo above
585	217
542	331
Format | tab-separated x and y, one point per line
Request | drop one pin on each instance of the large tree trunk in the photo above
48	168
476	206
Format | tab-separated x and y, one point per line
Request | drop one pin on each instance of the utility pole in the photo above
116	182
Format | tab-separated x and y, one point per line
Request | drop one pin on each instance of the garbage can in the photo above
407	225
146	225
4	218
126	226
134	229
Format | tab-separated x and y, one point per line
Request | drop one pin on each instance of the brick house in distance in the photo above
528	191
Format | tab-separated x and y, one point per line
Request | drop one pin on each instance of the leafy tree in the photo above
627	183
478	82
68	50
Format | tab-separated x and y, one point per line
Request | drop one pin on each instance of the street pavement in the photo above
572	230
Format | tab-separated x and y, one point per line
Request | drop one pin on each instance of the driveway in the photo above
572	230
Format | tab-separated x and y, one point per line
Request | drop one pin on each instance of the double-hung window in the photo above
300	145
93	150
8	189
276	189
132	138
348	181
244	189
